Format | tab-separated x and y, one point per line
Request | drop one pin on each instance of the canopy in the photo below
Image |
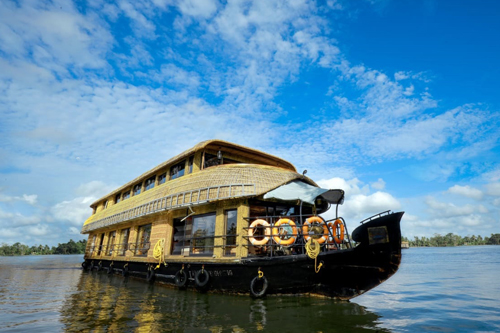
298	190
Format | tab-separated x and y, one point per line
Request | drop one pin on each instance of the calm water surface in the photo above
435	290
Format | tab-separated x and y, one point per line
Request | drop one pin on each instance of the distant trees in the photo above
451	239
18	249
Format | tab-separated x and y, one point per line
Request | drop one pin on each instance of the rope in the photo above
313	248
158	252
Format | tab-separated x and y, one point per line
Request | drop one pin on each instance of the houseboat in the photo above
221	217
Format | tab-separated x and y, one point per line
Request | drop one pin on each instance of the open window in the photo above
181	239
123	246
111	243
203	233
230	219
142	243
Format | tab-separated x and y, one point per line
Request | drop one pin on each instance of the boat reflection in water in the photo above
117	304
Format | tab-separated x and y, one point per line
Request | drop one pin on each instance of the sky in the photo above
396	102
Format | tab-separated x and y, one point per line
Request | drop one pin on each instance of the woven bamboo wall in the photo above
265	178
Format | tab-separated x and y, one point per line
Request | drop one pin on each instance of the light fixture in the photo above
219	155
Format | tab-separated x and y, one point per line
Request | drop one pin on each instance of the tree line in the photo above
451	239
18	249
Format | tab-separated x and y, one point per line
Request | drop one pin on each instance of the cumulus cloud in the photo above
359	201
443	209
466	191
75	211
493	189
30	199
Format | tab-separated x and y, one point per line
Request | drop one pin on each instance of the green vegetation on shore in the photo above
453	240
19	249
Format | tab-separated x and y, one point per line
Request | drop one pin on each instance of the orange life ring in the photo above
267	232
333	227
315	219
277	236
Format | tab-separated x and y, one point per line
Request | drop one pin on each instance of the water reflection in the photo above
104	303
51	293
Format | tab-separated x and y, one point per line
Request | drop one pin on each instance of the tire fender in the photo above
201	278
253	287
181	279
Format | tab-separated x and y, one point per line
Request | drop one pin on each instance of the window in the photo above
137	189
92	245
126	195
230	218
210	160
99	248
202	236
190	164
105	204
118	198
150	183
177	170
142	242
111	242
162	178
181	239
123	246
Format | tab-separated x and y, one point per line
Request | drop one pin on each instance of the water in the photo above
435	290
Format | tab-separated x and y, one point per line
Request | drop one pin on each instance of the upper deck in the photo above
210	171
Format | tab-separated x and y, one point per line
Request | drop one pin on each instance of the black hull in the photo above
344	274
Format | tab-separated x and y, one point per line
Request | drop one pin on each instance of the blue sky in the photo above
394	101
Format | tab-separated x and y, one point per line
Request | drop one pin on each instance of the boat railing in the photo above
205	245
271	247
181	199
387	212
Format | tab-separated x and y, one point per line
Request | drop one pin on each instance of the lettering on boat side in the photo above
378	235
222	272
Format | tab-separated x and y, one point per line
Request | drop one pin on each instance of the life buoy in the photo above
319	220
181	279
254	286
150	277
277	236
84	265
338	237
201	278
91	266
267	232
99	266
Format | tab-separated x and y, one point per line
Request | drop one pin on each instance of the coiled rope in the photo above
313	248
158	252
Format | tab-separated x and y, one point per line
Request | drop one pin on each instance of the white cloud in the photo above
466	191
16	219
442	209
30	199
75	211
378	185
197	8
359	203
53	35
38	230
493	189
